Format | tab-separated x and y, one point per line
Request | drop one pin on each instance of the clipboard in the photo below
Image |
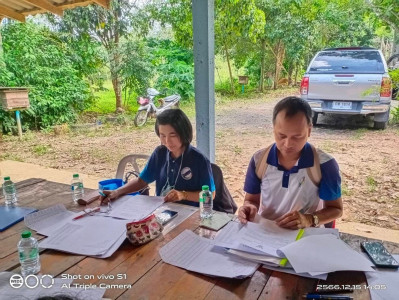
10	215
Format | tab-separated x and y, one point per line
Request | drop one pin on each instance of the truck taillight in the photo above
304	86
386	87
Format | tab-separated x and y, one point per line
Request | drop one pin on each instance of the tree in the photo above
38	59
108	27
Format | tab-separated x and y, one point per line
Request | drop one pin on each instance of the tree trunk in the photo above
280	53
228	64
2	60
115	65
290	71
296	74
262	67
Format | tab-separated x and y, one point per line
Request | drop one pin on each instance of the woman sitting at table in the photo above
178	168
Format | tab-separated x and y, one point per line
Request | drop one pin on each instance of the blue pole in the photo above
242	89
18	117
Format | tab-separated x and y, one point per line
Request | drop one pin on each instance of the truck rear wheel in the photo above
380	125
314	118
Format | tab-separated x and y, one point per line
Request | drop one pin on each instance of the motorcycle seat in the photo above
171	98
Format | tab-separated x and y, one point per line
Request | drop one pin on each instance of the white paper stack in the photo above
192	252
98	235
317	253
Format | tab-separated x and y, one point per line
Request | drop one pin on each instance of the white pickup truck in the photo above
348	81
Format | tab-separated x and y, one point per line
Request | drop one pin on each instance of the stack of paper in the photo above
317	253
98	235
198	254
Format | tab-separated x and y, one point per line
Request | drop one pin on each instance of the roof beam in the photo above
11	14
103	3
46	6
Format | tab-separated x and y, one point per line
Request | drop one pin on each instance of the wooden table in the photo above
145	276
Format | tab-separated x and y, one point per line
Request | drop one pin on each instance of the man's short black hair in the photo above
293	105
180	123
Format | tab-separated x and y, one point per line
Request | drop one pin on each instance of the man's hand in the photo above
295	220
109	196
247	212
173	196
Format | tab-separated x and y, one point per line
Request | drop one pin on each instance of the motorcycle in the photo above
149	109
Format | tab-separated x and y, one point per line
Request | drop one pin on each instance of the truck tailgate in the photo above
353	87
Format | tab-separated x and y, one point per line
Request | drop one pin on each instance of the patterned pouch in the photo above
143	231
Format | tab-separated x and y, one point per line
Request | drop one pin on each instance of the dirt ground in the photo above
368	159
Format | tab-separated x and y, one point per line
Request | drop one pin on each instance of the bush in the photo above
39	60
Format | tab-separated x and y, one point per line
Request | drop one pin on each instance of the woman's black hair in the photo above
292	106
180	123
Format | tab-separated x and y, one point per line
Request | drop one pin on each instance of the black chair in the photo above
223	201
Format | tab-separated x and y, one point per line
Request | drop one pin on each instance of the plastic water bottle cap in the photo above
26	234
6	178
75	175
205	187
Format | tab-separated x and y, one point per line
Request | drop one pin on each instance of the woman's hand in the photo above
174	195
295	220
109	196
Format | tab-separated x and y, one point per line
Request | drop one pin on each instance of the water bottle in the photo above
77	188
206	203
28	254
9	191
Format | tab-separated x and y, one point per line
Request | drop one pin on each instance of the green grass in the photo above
345	190
105	100
40	150
371	183
359	133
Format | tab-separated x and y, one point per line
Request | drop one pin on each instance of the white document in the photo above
291	271
323	254
260	258
384	283
46	220
267	239
135	208
90	235
113	248
58	288
197	254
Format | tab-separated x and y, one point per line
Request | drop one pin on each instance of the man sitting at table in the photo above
291	176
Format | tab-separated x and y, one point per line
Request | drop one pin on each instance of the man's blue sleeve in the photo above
330	184
252	182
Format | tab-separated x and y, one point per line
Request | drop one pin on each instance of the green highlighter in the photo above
284	261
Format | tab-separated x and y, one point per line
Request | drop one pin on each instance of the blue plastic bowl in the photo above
110	184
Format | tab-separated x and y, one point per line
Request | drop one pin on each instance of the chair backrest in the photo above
131	159
223	200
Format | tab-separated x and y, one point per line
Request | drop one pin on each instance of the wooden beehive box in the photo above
14	98
243	79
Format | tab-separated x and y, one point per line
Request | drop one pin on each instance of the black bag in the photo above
223	201
144	191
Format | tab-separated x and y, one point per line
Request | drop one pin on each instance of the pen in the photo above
102	194
332	297
86	213
284	261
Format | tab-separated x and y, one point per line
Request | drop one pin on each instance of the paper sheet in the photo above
291	271
135	208
324	253
384	283
47	220
91	235
197	254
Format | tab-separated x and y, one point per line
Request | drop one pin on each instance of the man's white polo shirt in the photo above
283	190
